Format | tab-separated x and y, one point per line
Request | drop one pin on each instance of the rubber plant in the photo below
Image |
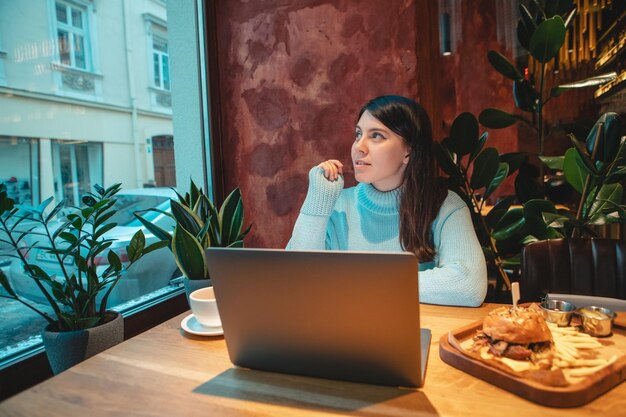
541	31
475	172
75	241
200	225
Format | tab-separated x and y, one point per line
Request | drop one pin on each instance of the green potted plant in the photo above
200	225
475	172
80	325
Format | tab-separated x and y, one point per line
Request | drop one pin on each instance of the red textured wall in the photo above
293	75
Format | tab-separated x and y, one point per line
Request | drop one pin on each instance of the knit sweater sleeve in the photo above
310	230
460	276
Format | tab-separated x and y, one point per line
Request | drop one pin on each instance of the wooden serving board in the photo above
573	395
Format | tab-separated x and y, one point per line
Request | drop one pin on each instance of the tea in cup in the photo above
204	307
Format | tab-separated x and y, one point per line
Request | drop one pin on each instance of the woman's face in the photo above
379	156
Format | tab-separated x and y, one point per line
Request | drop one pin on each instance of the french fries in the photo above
569	343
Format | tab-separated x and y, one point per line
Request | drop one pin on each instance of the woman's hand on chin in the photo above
332	169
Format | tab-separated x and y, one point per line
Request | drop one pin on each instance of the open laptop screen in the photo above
331	314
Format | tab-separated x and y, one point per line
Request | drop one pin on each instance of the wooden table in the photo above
165	372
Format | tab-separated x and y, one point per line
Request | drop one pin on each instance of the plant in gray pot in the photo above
200	225
79	325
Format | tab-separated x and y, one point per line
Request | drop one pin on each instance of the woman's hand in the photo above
332	169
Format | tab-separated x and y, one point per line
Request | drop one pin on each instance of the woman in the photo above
398	205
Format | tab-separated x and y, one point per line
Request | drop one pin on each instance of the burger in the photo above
516	333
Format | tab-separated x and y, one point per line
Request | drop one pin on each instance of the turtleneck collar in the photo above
382	202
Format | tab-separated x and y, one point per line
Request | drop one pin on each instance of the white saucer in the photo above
191	325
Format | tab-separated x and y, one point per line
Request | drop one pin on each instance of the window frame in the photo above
160	55
32	367
86	10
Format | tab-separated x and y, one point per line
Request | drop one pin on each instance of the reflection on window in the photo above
161	64
71	35
79	110
76	167
19	169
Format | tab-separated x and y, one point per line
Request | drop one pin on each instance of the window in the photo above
76	167
80	110
161	61
72	35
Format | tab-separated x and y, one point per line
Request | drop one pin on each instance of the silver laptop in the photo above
332	314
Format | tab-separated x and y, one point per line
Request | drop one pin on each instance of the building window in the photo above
76	167
19	169
161	62
72	36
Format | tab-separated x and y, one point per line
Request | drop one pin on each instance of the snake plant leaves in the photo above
496	118
575	170
501	174
185	217
504	66
463	134
525	95
553	162
485	168
189	255
231	217
499	209
548	39
514	160
154	229
607	134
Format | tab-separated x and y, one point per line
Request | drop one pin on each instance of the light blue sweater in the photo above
362	218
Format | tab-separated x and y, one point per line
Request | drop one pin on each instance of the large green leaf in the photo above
4	281
444	159
608	196
463	134
499	209
501	174
586	83
511	223
582	153
514	160
533	214
575	170
547	40
553	162
231	217
504	66
136	246
185	217
189	255
496	118
525	95
155	230
608	138
485	168
479	146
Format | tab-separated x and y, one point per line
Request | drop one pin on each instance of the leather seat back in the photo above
574	266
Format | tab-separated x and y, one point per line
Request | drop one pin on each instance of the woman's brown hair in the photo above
422	190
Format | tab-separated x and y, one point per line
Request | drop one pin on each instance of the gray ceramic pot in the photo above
195	284
66	349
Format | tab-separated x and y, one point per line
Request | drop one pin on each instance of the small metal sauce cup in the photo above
596	321
558	312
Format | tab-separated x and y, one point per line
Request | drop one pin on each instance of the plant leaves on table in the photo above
189	255
548	39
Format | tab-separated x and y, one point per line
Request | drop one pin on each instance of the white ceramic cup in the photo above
204	307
